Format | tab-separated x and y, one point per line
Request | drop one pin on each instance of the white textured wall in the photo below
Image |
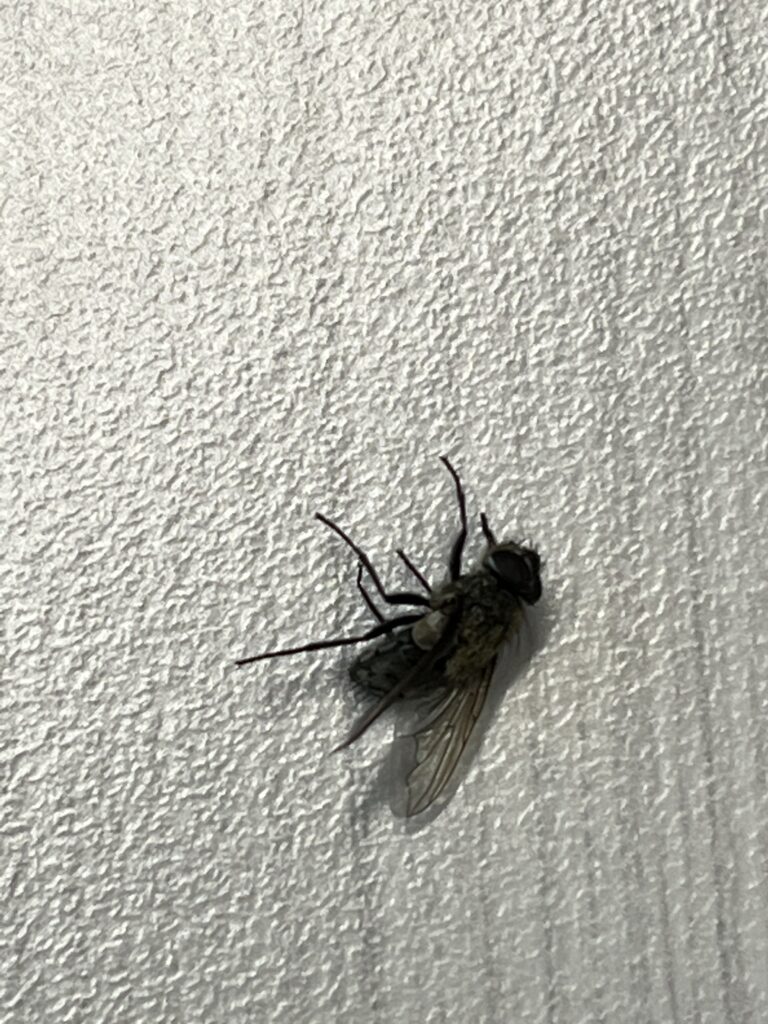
265	259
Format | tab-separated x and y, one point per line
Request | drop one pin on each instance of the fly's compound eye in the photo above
517	572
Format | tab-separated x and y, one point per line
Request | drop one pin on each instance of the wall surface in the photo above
265	259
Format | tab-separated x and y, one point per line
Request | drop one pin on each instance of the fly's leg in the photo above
486	529
458	545
320	645
409	564
367	597
399	597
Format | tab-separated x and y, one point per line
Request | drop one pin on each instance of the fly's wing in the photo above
440	741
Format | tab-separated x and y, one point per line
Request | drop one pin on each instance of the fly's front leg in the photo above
487	530
458	545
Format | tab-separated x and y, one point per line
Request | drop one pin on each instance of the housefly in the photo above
443	650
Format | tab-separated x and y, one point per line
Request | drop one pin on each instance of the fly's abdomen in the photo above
383	666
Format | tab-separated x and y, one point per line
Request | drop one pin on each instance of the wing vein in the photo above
442	739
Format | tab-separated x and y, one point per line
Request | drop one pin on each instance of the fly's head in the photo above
516	569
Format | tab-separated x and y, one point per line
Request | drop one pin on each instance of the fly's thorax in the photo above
481	589
489	616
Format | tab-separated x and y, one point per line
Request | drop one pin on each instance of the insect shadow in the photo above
439	657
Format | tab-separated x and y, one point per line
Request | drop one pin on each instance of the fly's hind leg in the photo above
366	596
321	645
409	565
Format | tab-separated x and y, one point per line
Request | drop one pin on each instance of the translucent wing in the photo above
441	740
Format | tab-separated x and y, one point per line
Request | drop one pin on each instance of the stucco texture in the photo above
263	260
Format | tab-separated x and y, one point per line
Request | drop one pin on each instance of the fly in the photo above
443	649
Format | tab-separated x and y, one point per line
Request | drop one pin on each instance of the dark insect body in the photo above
445	652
